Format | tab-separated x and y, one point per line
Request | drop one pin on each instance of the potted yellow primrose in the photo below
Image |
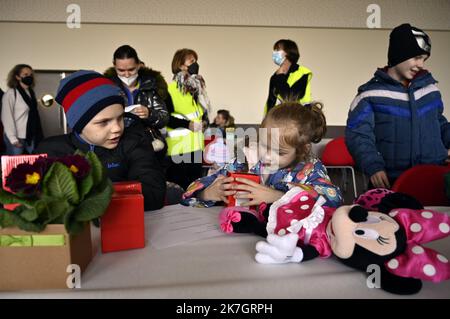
45	241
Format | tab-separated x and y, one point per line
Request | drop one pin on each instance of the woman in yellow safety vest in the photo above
188	105
290	81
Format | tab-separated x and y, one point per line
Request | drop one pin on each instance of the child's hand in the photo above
380	180
219	189
257	193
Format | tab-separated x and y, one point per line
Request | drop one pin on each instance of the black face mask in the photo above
27	80
193	68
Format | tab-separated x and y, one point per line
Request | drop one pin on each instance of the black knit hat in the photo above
406	42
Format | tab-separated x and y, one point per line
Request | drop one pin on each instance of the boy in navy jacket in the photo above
396	121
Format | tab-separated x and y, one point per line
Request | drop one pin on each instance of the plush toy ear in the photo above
358	214
398	200
399	285
371	199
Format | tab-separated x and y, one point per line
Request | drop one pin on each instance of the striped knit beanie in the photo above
84	94
406	42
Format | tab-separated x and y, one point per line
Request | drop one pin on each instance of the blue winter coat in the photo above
392	127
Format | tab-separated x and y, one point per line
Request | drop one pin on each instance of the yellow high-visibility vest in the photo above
182	140
292	79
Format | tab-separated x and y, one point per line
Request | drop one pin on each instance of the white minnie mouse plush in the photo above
301	229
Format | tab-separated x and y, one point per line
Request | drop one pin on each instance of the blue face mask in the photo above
277	57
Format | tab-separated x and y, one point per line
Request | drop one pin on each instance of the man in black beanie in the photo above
396	121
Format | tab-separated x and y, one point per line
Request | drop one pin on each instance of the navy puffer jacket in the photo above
392	127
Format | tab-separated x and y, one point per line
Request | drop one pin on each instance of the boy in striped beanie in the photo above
94	109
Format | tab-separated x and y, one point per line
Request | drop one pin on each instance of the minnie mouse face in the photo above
359	238
353	226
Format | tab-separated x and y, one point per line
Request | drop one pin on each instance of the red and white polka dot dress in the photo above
421	226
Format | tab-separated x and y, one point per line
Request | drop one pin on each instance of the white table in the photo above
221	267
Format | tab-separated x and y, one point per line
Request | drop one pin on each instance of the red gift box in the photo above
122	226
231	200
11	161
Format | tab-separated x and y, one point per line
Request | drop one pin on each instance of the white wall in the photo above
234	58
429	14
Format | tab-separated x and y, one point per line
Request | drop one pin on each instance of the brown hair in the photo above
301	125
229	120
11	81
180	57
290	47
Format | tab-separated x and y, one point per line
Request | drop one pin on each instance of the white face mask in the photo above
130	80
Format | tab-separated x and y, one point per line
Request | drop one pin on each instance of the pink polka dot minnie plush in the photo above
383	228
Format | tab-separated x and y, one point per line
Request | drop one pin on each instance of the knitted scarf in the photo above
34	129
194	84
